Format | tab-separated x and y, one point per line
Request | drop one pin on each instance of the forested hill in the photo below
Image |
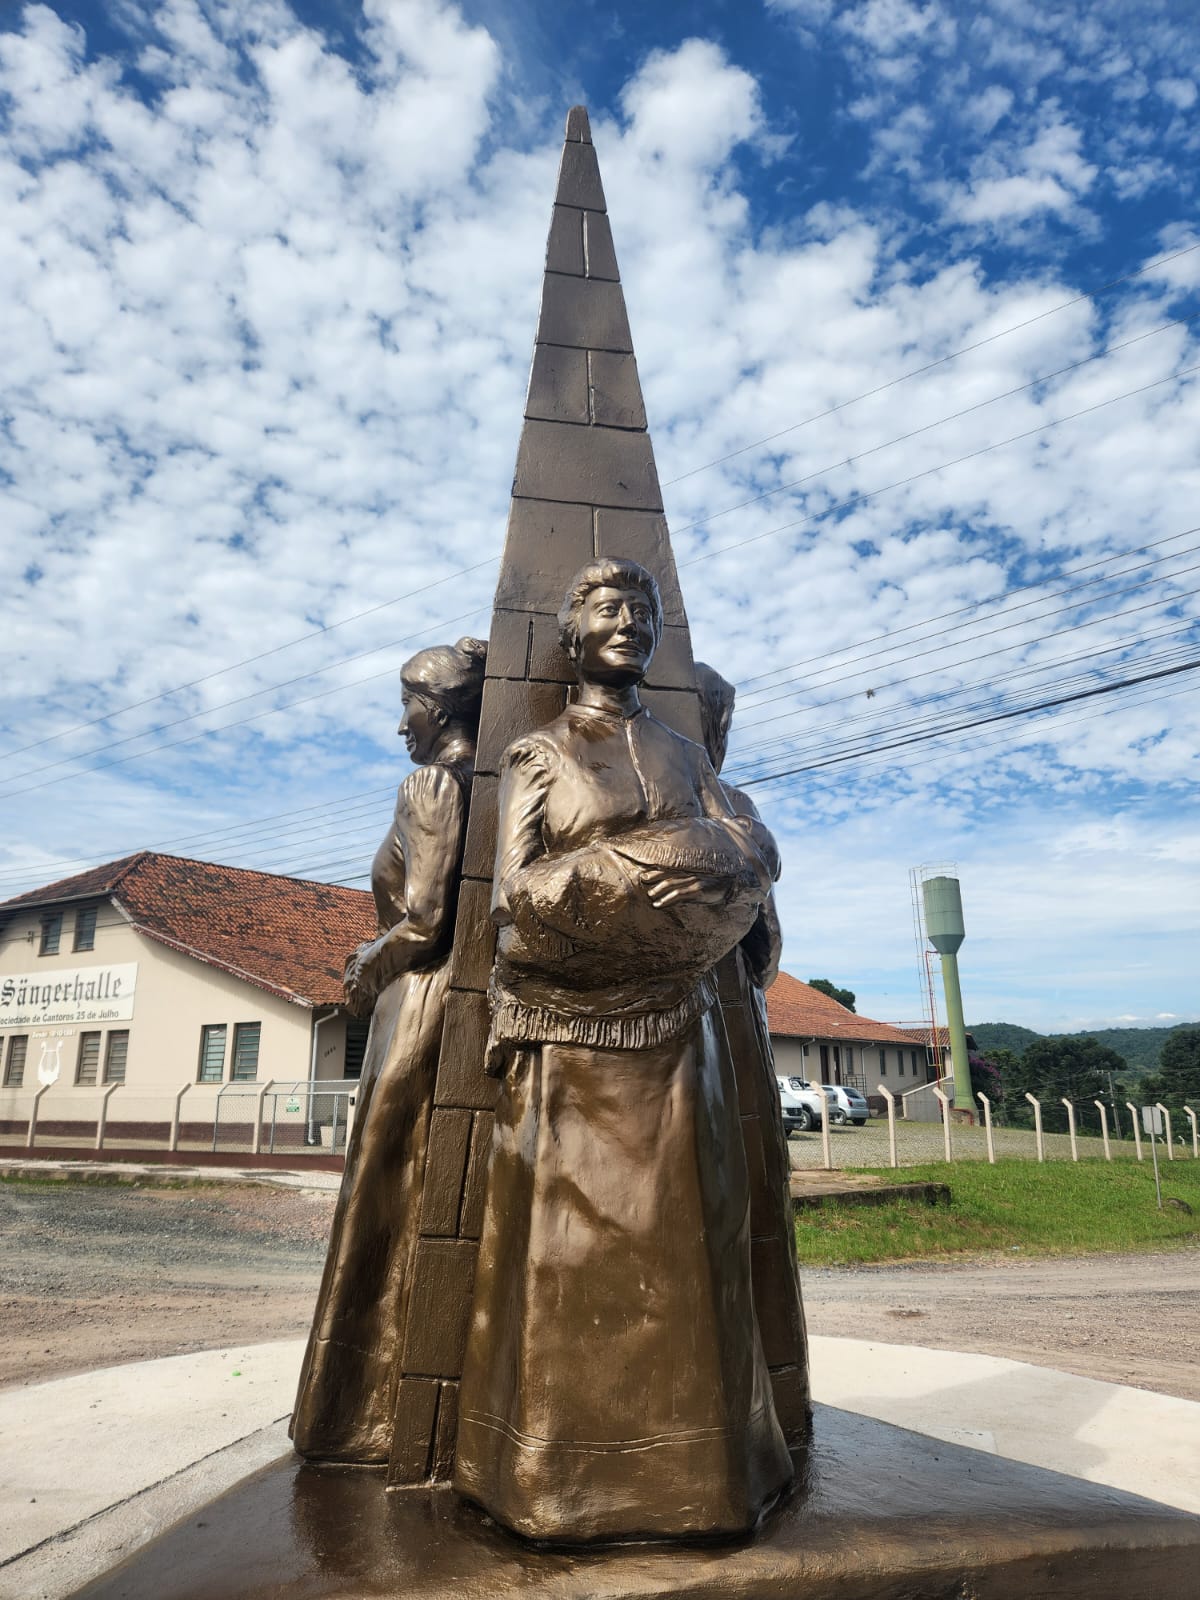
1002	1036
1139	1046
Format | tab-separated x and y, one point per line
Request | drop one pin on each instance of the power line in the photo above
703	522
719	461
211	838
943	466
755	750
929	366
242	722
262	655
827	511
988	633
868	763
1000	716
958	611
928	427
392	644
930	715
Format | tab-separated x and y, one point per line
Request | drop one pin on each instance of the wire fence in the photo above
297	1119
1098	1135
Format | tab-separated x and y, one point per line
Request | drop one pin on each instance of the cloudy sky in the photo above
912	289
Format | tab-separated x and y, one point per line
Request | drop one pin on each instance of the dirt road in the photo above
1131	1319
93	1276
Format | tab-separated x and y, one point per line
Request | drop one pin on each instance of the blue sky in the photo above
274	273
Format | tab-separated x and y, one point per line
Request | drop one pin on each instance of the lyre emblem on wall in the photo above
49	1062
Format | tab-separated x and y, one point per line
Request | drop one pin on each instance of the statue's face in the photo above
720	739
615	640
421	727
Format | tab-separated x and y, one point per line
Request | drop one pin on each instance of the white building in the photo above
816	1038
155	975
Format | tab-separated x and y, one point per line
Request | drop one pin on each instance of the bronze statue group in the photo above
636	1363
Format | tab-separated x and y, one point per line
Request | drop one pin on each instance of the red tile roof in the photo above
286	935
796	1011
919	1033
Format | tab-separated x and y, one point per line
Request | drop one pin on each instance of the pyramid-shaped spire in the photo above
585	486
585	483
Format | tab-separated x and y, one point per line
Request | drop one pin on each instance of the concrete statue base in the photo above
884	1515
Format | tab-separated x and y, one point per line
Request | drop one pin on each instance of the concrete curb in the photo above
154	1175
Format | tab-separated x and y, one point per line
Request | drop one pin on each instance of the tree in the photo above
990	1072
1177	1081
844	997
1071	1066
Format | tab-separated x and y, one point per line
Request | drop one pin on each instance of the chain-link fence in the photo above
1097	1135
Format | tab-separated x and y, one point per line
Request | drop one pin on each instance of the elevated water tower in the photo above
946	932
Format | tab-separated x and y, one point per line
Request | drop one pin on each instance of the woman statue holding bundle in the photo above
346	1398
614	1385
745	975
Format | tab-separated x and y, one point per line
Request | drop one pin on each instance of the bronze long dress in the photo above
614	1384
744	975
346	1397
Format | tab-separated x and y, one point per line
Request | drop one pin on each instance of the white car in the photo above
845	1105
801	1105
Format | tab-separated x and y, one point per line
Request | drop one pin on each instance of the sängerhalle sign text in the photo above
80	994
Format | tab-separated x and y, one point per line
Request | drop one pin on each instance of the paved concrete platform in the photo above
94	1466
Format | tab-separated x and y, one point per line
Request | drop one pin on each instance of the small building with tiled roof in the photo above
922	1033
816	1038
156	977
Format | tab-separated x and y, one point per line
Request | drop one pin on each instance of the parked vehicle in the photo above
801	1108
845	1105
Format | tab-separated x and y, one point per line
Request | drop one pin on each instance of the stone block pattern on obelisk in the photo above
585	486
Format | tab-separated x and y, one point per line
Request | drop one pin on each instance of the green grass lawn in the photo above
1059	1208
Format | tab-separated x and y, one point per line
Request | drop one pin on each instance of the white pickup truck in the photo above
801	1105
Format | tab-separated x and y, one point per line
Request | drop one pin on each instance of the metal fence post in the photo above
1158	1106
826	1151
987	1124
33	1116
256	1145
890	1101
944	1102
102	1116
1037	1124
1071	1128
1137	1132
1191	1116
1100	1107
173	1141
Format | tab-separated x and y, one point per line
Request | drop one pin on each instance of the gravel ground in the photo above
93	1276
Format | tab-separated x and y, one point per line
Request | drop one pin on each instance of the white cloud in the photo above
269	331
1179	92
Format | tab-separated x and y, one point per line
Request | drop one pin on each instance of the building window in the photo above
245	1052
116	1052
900	1062
824	1063
51	934
912	1061
883	1063
85	928
212	1053
356	1048
89	1058
14	1067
